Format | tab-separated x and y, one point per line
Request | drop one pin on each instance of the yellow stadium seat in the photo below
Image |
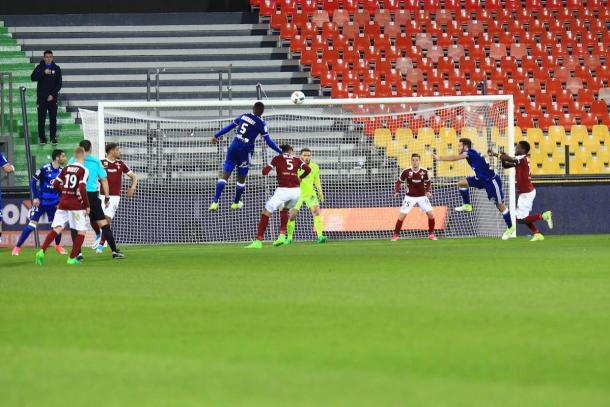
404	136
425	161
557	134
394	149
533	135
382	137
600	131
578	161
518	133
576	136
448	141
547	145
404	160
594	165
426	141
591	144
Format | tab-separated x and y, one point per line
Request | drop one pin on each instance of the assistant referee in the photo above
97	176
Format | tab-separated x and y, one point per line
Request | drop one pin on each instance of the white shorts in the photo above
410	201
283	197
113	205
77	220
525	202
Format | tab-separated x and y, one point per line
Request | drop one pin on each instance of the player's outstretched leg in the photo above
318	225
260	235
240	187
281	239
47	242
25	233
398	227
465	193
78	243
220	186
431	224
510	228
292	225
58	247
547	216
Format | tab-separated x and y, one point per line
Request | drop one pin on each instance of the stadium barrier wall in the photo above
577	208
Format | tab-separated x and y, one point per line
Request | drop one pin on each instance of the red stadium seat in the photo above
330	5
340	17
370	5
319	18
362	18
382	17
391	30
308	6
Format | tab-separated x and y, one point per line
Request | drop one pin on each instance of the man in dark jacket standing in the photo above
48	76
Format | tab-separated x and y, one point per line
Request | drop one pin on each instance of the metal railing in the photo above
157	79
7	119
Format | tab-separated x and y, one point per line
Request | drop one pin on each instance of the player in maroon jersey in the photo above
287	192
525	189
73	206
419	192
115	168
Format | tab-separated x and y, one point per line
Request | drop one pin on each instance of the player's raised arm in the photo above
456	157
5	165
225	130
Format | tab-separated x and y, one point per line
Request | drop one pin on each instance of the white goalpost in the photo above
361	146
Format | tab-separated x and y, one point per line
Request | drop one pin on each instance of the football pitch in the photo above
457	322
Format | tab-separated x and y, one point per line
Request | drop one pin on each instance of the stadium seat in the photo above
404	136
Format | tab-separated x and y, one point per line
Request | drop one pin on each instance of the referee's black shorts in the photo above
97	213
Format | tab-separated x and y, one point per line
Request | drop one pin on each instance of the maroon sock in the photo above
102	240
283	221
430	225
262	226
532	227
50	238
398	226
76	246
532	218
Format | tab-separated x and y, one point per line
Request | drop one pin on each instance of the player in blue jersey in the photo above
46	199
8	168
247	127
484	178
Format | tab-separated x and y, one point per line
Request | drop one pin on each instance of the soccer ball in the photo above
297	97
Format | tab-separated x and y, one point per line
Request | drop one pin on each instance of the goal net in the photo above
360	145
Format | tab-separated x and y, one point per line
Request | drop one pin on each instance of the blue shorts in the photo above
239	158
36	213
493	187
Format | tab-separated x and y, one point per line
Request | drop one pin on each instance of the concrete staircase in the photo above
102	61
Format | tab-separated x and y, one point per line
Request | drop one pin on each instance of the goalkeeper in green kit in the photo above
311	196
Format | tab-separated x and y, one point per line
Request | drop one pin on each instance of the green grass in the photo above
454	322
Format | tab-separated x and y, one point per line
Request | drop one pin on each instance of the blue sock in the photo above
507	219
220	186
25	234
239	191
465	195
58	238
